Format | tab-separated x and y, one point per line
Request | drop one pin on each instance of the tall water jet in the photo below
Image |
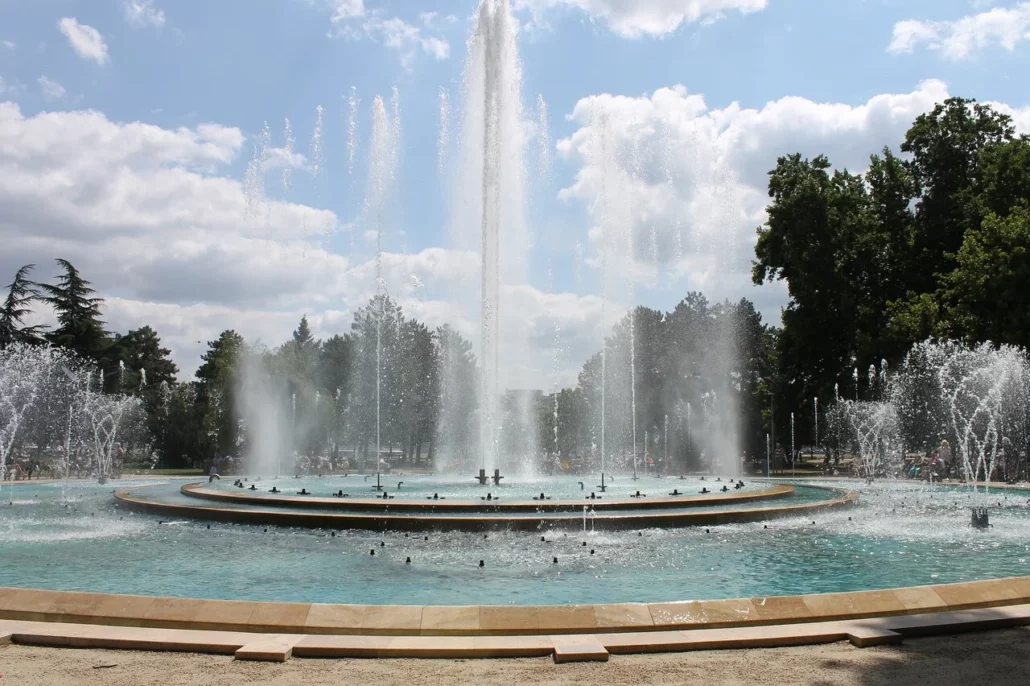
316	144
543	133
815	410
352	128
444	136
289	143
492	159
254	176
382	158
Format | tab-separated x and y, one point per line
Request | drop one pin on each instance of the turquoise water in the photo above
76	538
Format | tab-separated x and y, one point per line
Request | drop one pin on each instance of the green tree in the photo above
21	293
80	328
946	146
147	363
987	291
457	427
216	394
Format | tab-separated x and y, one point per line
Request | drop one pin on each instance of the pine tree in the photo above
78	314
20	295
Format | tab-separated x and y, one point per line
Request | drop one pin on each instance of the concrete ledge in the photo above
274	649
563	648
191	614
579	649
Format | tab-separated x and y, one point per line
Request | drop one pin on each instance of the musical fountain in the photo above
629	537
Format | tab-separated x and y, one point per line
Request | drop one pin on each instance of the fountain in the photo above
874	425
982	393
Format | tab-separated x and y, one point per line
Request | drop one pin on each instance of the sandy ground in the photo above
1000	657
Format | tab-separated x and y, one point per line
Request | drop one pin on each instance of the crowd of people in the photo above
28	463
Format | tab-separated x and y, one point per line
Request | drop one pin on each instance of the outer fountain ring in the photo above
412	516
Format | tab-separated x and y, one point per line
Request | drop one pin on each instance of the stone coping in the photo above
202	490
562	647
72	607
132	499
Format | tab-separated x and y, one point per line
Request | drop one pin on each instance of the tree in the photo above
946	146
21	293
987	291
216	393
145	361
819	239
456	426
80	328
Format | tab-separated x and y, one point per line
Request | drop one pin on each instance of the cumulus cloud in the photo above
85	40
141	14
51	90
347	9
154	219
636	18
958	39
351	20
675	186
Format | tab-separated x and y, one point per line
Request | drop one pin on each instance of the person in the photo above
945	456
1006	457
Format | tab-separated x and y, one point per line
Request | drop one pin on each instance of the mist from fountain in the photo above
48	392
978	394
874	425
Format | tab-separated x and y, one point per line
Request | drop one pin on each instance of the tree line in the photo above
930	241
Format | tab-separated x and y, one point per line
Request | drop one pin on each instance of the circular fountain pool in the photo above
77	537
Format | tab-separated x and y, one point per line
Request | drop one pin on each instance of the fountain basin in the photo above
87	541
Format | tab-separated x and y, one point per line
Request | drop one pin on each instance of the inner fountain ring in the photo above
372	514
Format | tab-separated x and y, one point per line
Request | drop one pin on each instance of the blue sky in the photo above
236	64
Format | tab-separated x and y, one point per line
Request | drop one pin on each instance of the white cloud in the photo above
51	90
351	20
699	190
141	14
84	39
9	44
347	9
152	218
958	39
635	18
